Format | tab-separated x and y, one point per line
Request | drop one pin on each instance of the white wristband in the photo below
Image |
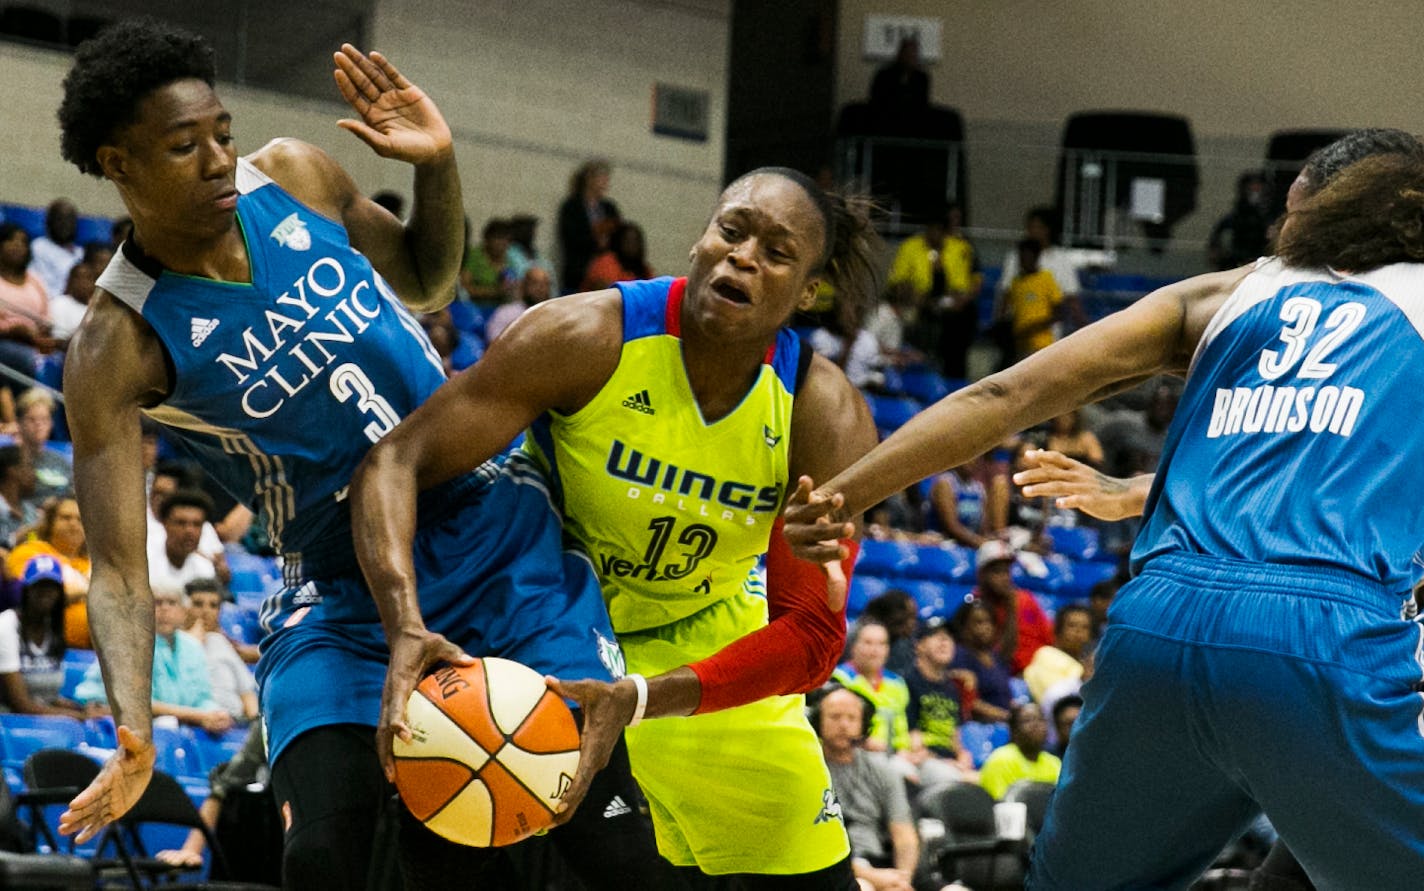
641	683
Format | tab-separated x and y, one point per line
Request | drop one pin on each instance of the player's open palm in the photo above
413	653
606	711
397	119
117	788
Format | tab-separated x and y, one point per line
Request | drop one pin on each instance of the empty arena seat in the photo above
31	219
75	663
1075	542
891	412
91	229
945	563
886	558
924	384
211	750
22	734
980	739
863	589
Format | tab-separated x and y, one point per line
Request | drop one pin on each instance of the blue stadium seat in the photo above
76	663
100	733
981	739
925	384
92	229
240	623
467	351
178	757
932	599
945	563
891	412
214	750
31	219
863	589
1018	691
22	734
1075	542
1085	575
467	318
886	558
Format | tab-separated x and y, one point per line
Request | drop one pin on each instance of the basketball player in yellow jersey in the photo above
674	417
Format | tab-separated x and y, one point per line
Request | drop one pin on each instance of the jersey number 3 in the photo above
349	381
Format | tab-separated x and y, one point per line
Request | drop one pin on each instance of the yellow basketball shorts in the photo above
741	790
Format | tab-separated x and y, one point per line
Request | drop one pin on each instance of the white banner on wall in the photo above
883	34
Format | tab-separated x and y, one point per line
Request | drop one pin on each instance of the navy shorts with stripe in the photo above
1223	689
493	577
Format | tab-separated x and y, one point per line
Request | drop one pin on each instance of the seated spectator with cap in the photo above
869	797
234	688
174	561
937	708
865	673
60	534
32	644
180	669
1023	757
1020	623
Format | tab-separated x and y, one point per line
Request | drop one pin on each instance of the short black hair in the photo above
1062	616
180	470
1064	703
1323	164
207	585
113	72
186	498
11	456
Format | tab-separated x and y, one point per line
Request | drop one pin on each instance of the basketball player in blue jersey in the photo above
1263	658
254	312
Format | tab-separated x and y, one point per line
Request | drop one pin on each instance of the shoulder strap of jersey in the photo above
127	278
650	307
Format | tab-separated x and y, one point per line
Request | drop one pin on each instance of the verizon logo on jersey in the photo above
202	328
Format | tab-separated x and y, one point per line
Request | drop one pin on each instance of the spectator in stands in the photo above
1100	597
898	612
1020	624
854	351
180	669
1132	443
444	337
936	272
1060	670
391	201
56	252
483	274
865	674
59	533
32	644
522	254
1033	304
1073	632
973	626
1023	757
1240	236
1066	434
534	288
937	709
586	220
887	323
872	800
1065	712
234	688
901	87
956	504
625	259
175	561
248	766
24	307
17	484
66	310
168	477
1041	225
54	475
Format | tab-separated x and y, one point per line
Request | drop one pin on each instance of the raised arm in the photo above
574	343
114	366
420	258
1157	334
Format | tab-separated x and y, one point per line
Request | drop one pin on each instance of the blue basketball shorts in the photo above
1223	689
493	577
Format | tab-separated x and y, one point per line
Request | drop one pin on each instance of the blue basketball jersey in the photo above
1294	442
280	386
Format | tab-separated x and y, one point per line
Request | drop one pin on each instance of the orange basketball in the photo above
493	750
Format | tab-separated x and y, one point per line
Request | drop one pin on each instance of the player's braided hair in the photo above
113	72
1325	163
1369	215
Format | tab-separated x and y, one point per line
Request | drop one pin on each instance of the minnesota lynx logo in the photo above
292	233
830	809
611	655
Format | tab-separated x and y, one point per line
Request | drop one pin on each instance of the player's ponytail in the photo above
852	262
1369	215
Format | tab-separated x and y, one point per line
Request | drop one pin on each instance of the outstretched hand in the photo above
814	535
117	788
607	709
397	119
1075	486
413	653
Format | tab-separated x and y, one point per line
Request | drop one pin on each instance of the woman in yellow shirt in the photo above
60	533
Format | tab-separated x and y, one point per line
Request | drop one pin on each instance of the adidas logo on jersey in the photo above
616	808
640	402
202	328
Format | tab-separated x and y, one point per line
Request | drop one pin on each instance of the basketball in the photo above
493	749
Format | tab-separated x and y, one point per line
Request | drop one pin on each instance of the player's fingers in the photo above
820	552
351	61
366	134
372	71
349	92
398	80
836	586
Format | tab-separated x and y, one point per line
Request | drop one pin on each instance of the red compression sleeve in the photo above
798	648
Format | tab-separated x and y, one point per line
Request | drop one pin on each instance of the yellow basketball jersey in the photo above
674	511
